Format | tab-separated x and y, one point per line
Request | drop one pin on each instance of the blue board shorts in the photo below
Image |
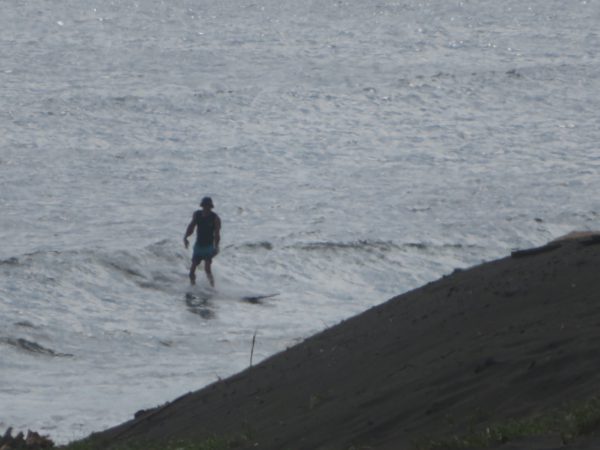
203	252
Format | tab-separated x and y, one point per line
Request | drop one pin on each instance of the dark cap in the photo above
207	201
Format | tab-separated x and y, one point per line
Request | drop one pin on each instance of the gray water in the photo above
354	150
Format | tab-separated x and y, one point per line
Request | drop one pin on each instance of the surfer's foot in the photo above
192	279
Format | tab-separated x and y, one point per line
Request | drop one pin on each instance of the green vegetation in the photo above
570	423
214	443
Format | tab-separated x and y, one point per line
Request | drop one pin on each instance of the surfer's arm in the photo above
189	231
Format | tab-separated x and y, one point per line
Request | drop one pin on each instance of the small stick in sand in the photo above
252	350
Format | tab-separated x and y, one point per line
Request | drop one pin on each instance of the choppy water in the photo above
354	149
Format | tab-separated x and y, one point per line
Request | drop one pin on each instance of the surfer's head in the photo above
207	203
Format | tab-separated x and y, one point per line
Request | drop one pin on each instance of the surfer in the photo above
208	236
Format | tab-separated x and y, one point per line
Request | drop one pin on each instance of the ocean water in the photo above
354	150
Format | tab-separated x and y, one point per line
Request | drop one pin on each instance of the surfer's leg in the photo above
207	269
193	272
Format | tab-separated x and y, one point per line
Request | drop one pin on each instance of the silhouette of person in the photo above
208	235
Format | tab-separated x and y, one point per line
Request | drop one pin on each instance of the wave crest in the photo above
31	347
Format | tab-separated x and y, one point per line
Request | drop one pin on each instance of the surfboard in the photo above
202	301
257	299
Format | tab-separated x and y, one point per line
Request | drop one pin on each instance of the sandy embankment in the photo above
506	339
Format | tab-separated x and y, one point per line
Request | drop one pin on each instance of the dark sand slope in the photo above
505	339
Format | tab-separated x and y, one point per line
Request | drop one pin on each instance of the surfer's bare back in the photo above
208	235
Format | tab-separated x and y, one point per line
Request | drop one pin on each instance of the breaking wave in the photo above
31	347
358	245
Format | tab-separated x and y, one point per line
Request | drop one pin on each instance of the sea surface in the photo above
354	149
